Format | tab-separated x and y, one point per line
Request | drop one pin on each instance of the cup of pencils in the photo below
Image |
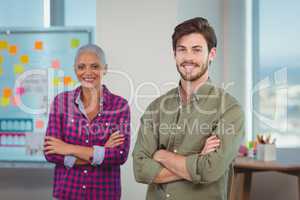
266	148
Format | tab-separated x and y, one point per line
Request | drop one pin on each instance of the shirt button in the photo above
121	152
175	150
72	120
86	141
85	171
168	195
99	114
106	123
87	124
84	187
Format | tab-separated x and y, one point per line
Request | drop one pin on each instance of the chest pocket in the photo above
195	136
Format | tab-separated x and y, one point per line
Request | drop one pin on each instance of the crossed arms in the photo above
152	165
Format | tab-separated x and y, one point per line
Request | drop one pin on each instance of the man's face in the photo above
89	70
192	56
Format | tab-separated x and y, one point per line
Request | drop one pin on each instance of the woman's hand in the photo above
54	145
115	140
211	144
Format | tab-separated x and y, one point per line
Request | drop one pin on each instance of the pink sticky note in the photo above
20	90
39	123
55	64
16	100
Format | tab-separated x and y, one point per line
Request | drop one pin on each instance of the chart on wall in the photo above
35	65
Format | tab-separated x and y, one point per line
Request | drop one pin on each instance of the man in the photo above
189	137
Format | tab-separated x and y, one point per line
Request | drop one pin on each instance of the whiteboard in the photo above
35	65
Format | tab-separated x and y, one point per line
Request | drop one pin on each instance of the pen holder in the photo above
266	152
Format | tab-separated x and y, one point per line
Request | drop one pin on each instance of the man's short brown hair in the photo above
195	25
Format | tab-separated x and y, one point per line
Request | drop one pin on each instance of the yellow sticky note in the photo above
18	68
72	83
7	92
4	101
75	43
1	59
24	59
1	70
13	50
38	45
56	81
3	44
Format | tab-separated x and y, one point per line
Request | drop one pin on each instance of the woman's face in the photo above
89	70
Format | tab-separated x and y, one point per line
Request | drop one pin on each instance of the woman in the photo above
88	134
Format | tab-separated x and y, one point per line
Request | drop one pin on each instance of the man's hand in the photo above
115	140
211	144
54	145
159	155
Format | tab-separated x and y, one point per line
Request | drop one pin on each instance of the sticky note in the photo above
55	64
1	70
39	123
16	100
3	44
1	59
4	101
75	43
18	68
72	83
67	80
13	50
38	45
20	91
6	92
56	81
24	59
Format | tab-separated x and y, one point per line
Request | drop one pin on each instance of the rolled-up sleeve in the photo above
69	161
145	168
54	129
211	167
118	155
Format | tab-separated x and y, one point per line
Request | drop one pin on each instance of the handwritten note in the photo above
6	92
13	50
38	45
3	44
75	43
55	64
16	100
4	101
56	81
24	59
39	124
18	68
67	80
20	91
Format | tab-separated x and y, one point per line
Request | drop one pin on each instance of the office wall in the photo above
136	36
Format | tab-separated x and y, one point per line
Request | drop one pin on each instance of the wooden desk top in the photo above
288	160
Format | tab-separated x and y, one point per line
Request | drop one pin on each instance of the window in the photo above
276	89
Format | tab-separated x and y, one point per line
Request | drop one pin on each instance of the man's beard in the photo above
189	77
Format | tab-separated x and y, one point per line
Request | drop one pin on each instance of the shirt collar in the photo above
104	98
201	92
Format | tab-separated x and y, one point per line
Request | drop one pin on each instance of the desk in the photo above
244	167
